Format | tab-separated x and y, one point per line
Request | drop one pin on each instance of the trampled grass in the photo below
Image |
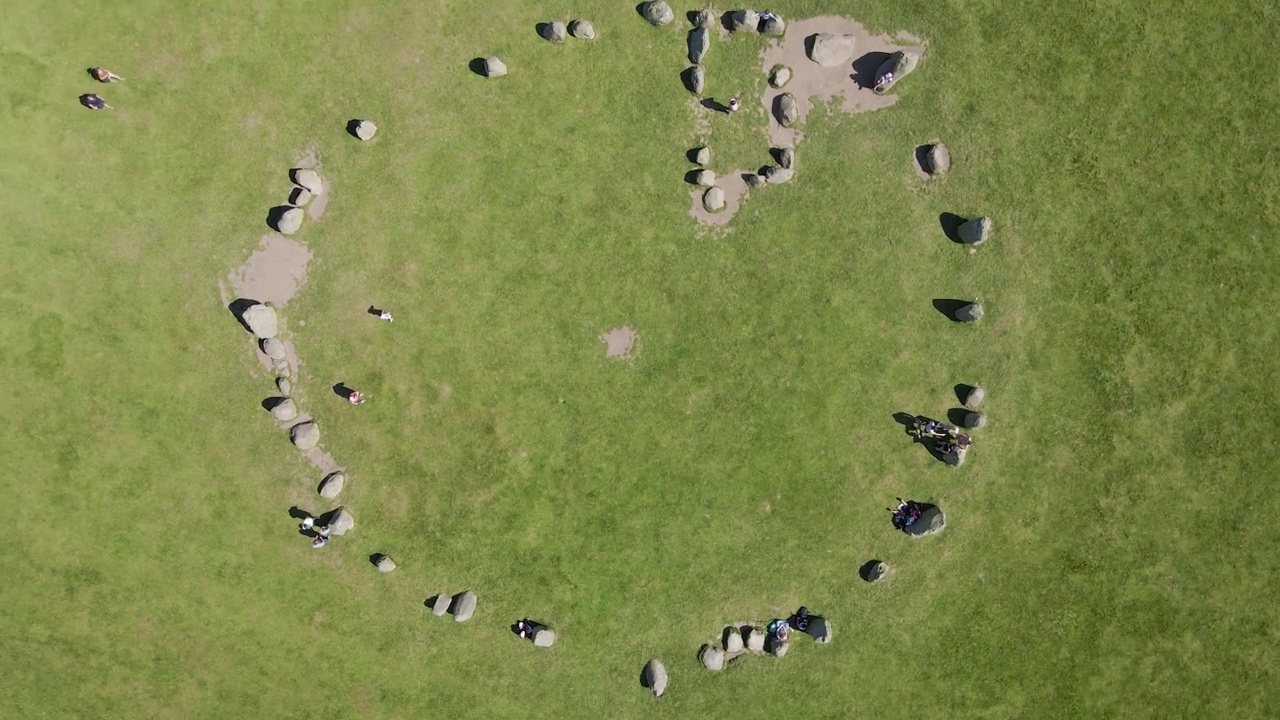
1109	551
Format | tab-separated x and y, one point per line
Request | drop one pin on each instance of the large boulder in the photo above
712	658
654	677
582	29
776	175
273	348
733	640
744	21
290	220
876	572
755	640
284	410
309	180
704	178
696	79
702	155
787	158
975	420
261	321
544	637
713	199
342	522
699	44
832	49
975	231
820	629
974	397
365	129
931	521
493	67
898	66
300	197
779	75
788	109
554	31
704	19
754	180
938	159
772	25
440	605
332	484
463	606
657	12
385	564
972	312
305	435
284	385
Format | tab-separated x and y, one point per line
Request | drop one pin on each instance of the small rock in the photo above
697	79
704	19
772	25
780	75
305	435
290	221
493	67
262	321
309	180
713	199
439	607
974	397
819	629
787	158
704	178
938	159
273	348
972	312
712	658
284	385
755	640
975	420
754	180
876	572
544	637
788	109
342	522
733	640
657	12
582	29
300	197
776	176
699	44
744	21
553	31
702	155
975	231
898	66
365	130
654	677
832	50
332	485
285	410
463	606
385	564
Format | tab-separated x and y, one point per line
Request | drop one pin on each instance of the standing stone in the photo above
342	522
712	658
441	605
776	176
308	180
385	564
654	677
744	21
704	178
262	321
972	312
305	435
284	385
290	221
273	348
463	606
975	420
975	231
704	19
898	66
332	485
300	197
820	629
733	640
713	199
657	12
554	31
788	109
544	637
582	29
832	50
779	75
754	180
787	158
702	155
285	410
938	159
697	79
365	130
699	44
974	397
755	640
877	572
772	25
493	67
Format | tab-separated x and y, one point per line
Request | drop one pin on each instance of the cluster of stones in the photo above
462	606
556	31
307	185
736	642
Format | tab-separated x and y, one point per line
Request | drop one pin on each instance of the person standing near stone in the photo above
734	104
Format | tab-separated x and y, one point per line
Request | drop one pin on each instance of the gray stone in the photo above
755	640
493	67
308	180
975	420
776	176
554	31
342	522
654	677
704	19
699	44
931	521
300	197
332	485
974	397
972	312
772	25
744	21
788	109
832	50
975	231
877	572
819	629
284	410
305	435
787	158
273	348
290	221
754	180
544	637
657	12
712	658
385	564
697	79
777	648
463	606
713	199
284	385
365	130
702	155
938	159
899	65
440	605
779	75
733	640
582	29
704	178
262	321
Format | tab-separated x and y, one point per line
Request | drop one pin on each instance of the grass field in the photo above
1110	550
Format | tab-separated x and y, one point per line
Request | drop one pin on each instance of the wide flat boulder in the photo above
305	435
832	49
699	44
366	129
744	21
658	13
332	484
463	606
492	67
544	637
284	410
972	312
385	564
554	31
712	658
775	175
931	522
820	628
309	180
582	29
713	199
440	606
975	231
262	321
342	522
896	67
788	109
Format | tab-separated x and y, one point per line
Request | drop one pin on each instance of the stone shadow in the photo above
865	67
950	223
949	307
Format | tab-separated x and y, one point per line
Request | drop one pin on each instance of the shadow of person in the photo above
341	390
950	223
865	67
715	105
949	307
907	421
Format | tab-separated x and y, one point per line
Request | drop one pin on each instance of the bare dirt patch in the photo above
735	191
274	273
620	343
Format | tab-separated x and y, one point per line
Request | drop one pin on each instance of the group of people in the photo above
319	533
906	513
946	439
93	101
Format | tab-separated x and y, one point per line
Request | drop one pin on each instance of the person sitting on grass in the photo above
929	428
319	541
94	102
800	620
525	629
777	629
104	75
906	514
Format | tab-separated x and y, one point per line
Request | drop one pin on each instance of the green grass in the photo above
1110	548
